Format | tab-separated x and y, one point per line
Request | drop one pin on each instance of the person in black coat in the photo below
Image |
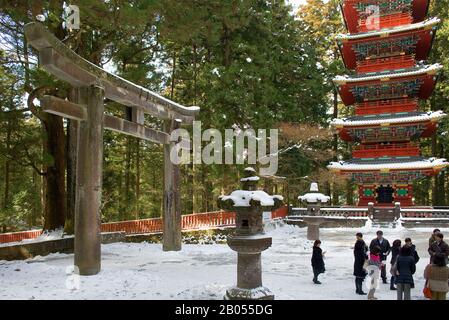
317	261
360	256
395	249
405	268
385	248
408	243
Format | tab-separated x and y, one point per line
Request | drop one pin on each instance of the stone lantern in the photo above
249	239
314	199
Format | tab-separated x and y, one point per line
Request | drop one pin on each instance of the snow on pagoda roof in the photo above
413	117
242	198
384	32
424	69
430	163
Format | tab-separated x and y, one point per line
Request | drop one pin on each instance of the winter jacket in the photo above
406	268
360	250
385	247
437	277
317	260
432	239
394	254
375	260
414	253
441	247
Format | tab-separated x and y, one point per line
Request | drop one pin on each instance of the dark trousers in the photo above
316	273
383	272
358	284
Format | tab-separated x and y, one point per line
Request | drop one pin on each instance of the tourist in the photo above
408	242
432	237
317	261
360	250
385	249
439	246
437	276
394	254
405	268
374	264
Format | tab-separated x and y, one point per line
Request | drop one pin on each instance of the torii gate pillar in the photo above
89	182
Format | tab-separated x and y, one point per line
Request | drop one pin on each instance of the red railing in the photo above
19	236
386	106
392	150
208	220
382	64
280	213
134	226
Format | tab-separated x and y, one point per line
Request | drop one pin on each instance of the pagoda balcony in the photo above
386	64
388	127
411	40
386	150
388	170
392	13
416	82
386	106
386	22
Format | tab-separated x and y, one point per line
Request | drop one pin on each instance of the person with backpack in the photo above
317	261
395	249
405	269
437	276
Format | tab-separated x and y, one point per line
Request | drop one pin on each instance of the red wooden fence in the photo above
208	220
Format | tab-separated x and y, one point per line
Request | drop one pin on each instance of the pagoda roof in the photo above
386	32
415	71
405	163
354	19
395	118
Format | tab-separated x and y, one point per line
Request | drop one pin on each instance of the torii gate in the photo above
93	84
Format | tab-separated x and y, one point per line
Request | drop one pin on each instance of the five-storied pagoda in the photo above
387	44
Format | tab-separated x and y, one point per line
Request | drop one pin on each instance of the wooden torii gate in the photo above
93	84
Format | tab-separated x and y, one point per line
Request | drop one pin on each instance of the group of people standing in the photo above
403	265
372	260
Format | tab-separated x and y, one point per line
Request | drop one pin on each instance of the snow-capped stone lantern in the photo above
314	199
249	239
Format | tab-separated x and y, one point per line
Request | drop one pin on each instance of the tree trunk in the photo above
55	197
72	135
35	212
128	156
335	148
137	179
7	166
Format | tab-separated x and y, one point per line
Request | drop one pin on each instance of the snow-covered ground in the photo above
143	271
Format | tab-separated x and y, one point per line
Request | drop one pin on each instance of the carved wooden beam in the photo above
78	112
66	65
